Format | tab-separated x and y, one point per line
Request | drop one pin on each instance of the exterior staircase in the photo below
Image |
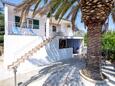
30	53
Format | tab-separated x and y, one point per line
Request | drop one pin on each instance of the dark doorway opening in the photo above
70	43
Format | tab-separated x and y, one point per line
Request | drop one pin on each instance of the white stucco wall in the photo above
16	46
55	53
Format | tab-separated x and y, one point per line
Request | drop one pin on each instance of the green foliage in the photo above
108	45
1	38
1	20
108	41
1	27
85	39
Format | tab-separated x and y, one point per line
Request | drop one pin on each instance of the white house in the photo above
19	40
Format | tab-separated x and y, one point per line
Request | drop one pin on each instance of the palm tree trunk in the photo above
93	53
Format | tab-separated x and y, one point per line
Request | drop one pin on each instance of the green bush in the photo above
108	45
85	39
1	28
1	38
1	19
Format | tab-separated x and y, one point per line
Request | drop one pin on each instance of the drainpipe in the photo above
15	78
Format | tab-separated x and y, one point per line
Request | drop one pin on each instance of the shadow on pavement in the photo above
62	73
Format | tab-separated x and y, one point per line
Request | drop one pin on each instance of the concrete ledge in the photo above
90	82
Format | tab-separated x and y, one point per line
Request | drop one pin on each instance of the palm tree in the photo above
94	15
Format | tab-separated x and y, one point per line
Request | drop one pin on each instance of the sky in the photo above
78	21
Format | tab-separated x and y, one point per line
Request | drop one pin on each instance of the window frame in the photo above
26	24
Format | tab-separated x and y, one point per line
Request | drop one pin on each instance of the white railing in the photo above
15	28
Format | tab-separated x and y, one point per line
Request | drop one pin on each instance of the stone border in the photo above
91	80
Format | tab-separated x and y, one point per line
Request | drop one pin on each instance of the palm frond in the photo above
74	16
67	6
24	4
36	6
69	14
45	9
58	8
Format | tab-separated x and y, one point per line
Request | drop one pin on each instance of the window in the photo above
17	21
35	24
54	28
29	23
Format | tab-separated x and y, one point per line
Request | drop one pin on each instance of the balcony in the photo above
22	29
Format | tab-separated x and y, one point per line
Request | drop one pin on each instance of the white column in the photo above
81	46
70	32
47	27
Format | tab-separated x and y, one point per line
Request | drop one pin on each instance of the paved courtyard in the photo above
66	73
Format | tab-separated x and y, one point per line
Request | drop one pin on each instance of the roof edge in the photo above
9	3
